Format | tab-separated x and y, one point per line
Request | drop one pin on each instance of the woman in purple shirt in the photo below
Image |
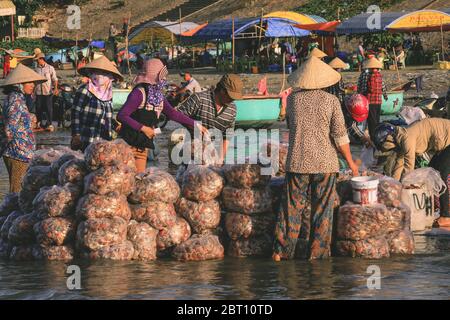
140	113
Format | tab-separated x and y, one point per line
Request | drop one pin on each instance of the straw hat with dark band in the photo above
101	64
317	53
372	63
337	63
314	74
22	74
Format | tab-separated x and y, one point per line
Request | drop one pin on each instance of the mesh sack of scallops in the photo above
45	157
256	246
111	179
155	185
356	222
143	238
245	176
248	201
93	206
245	226
119	251
4	230
72	171
9	204
200	183
202	216
55	231
57	164
53	253
159	215
22	253
369	248
94	234
37	177
390	192
401	242
56	201
173	236
199	248
21	231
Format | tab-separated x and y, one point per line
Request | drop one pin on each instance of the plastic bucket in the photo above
365	190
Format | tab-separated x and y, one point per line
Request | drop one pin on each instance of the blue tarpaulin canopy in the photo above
362	23
249	28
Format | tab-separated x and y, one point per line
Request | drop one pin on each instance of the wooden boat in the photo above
394	103
252	111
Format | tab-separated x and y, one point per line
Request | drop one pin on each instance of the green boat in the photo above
394	103
252	111
257	111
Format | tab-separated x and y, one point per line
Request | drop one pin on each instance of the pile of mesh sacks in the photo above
249	218
374	231
95	206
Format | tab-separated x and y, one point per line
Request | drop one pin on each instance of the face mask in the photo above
100	85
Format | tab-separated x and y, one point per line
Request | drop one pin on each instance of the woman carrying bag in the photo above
139	115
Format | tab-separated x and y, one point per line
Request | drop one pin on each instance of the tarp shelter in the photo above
421	21
250	28
324	26
365	23
162	31
7	8
299	18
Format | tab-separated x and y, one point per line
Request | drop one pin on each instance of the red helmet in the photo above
358	107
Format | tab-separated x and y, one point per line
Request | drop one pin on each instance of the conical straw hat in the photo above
23	74
102	64
317	53
337	63
314	74
372	63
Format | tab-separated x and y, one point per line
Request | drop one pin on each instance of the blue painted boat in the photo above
252	111
394	103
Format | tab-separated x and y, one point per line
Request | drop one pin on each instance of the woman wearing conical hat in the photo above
316	132
17	142
92	107
316	52
373	87
338	89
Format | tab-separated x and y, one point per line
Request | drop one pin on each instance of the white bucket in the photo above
365	190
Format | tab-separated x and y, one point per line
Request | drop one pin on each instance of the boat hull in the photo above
394	103
251	112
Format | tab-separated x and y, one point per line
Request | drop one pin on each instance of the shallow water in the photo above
425	275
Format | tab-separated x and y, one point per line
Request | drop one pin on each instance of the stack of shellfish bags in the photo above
153	210
103	211
376	231
249	219
39	222
201	186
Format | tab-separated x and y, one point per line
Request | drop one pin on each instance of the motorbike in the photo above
435	107
63	105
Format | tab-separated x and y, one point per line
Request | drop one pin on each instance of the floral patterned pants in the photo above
305	217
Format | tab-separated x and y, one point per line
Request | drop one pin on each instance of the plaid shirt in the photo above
363	84
375	88
201	107
91	117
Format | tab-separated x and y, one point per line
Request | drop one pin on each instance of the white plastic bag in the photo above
412	114
367	158
426	177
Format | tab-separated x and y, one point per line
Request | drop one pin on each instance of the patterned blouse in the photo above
316	127
20	142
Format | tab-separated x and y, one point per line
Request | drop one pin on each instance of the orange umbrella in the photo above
325	26
192	32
